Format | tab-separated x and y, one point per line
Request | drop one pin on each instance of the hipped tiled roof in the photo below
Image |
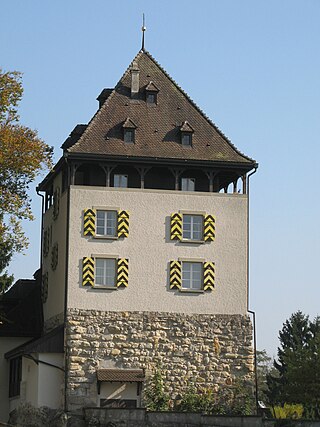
120	375
158	126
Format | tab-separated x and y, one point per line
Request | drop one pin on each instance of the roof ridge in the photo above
196	106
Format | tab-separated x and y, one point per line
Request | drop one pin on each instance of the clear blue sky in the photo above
253	67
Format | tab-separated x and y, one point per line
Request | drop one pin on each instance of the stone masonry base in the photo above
207	350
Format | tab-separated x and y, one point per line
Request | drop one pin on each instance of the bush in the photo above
291	411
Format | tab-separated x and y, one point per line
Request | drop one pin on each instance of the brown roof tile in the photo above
120	375
158	126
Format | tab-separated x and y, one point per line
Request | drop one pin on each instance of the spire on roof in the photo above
143	29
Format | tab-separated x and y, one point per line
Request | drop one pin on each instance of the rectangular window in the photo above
188	184
192	227
120	181
129	136
15	376
105	272
186	139
107	223
151	98
192	275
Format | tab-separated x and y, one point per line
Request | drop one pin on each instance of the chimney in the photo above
134	80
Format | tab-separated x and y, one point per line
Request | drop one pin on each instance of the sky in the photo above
253	66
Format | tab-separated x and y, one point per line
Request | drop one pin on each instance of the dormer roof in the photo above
158	127
186	127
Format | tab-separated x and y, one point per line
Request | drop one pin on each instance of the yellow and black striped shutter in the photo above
123	224
208	275
175	274
209	228
89	222
88	271
123	272
176	226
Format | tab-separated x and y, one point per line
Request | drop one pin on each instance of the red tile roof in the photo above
158	127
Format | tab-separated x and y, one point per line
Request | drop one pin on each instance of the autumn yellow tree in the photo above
23	155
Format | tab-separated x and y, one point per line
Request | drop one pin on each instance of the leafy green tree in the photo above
264	368
155	397
298	364
23	155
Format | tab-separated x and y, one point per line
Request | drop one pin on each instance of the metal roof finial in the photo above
143	29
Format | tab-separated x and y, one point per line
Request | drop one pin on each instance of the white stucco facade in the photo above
149	250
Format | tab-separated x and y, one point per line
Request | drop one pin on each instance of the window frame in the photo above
120	175
153	94
190	179
105	258
105	225
192	263
192	231
126	133
187	135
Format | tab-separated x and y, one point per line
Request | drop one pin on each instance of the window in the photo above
192	275
186	139
120	181
129	136
188	184
192	227
107	223
105	272
151	97
15	376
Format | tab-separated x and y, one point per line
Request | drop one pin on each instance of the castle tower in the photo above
145	246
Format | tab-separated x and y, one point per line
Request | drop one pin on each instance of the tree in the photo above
23	155
298	364
264	368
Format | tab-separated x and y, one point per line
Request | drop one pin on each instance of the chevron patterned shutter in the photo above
208	275
209	228
89	222
88	271
175	274
123	272
123	224
176	226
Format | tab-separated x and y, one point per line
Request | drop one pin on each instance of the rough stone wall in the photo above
211	350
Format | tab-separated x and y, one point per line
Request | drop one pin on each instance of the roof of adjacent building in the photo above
120	375
22	309
158	126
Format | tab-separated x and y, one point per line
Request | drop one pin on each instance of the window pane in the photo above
105	272
120	181
188	184
191	275
151	98
106	223
192	227
186	139
129	135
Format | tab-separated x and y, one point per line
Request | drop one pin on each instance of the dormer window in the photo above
151	93
186	132
129	136
129	129
186	139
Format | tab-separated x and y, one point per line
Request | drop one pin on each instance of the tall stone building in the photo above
144	250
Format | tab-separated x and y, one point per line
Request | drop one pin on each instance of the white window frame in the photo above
107	284
106	226
193	224
188	183
190	267
122	177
